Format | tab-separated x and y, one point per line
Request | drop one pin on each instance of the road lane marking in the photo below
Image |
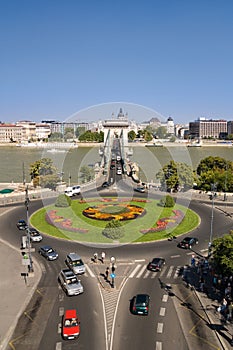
61	311
89	271
140	260
158	345
170	271
165	298
162	311
146	274
58	346
160	328
141	272
59	328
134	271
177	272
163	271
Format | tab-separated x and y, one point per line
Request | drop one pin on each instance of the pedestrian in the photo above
106	273
103	257
95	257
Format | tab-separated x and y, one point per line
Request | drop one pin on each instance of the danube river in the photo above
15	161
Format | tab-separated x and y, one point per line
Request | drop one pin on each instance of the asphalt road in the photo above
41	329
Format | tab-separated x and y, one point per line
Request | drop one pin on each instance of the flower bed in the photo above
60	222
121	212
165	223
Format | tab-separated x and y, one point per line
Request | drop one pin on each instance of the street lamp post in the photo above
30	266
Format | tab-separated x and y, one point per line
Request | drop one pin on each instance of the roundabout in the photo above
143	220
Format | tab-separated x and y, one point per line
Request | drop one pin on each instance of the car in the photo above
105	184
119	171
75	263
70	325
35	235
140	189
69	282
188	242
48	252
22	225
156	264
140	304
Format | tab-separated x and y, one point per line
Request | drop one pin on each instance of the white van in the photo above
72	191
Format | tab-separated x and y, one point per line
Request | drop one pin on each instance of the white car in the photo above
72	191
35	235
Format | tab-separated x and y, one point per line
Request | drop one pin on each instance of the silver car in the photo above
75	263
70	283
35	235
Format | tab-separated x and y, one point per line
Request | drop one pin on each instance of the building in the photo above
42	131
11	133
29	130
230	128
208	128
170	126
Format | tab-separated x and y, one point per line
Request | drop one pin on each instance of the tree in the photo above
131	135
161	132
44	173
114	230
176	176
63	201
222	249
167	202
79	131
56	136
148	136
86	173
215	170
68	133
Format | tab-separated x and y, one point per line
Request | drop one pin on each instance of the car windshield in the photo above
77	263
71	322
50	250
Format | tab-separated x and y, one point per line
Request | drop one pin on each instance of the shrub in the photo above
114	230
167	202
63	201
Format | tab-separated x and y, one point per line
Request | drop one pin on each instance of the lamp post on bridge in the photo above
30	266
213	190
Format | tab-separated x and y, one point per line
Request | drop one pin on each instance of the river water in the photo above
15	161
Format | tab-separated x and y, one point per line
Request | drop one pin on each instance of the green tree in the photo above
63	201
114	230
222	249
79	131
44	173
176	176
56	136
68	133
148	136
86	173
215	170
161	132
167	202
131	135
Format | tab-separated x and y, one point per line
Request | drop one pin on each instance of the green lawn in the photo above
132	227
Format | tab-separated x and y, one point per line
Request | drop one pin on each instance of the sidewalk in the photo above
210	299
15	290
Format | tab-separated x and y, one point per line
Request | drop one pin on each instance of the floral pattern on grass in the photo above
114	211
166	223
63	223
118	200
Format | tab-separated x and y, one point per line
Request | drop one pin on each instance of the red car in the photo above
70	325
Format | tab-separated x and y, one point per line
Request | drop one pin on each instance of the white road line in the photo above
165	298
134	271
146	274
158	345
59	328
163	271
58	346
89	271
61	311
162	311
141	272
177	272
140	260
170	271
175	256
160	328
154	274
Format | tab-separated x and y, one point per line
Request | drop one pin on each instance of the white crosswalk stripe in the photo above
140	271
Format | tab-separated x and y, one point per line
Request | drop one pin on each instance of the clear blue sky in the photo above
58	57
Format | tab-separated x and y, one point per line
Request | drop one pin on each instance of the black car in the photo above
105	184
188	242
140	304
156	264
48	252
22	225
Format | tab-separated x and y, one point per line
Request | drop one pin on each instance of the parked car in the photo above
70	325
75	263
35	235
188	242
105	184
140	305
69	282
22	225
140	189
119	171
48	252
156	264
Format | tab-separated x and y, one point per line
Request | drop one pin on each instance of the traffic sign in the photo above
113	275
